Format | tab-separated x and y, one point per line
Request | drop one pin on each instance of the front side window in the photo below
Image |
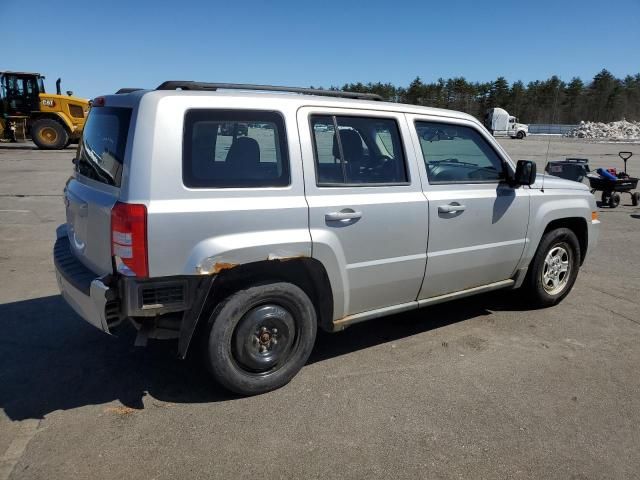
357	150
234	148
457	154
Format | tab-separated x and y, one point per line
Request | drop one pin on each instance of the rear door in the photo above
95	187
477	222
366	206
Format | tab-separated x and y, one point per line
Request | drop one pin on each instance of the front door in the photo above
477	222
367	214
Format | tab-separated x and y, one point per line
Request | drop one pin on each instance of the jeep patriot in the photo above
239	219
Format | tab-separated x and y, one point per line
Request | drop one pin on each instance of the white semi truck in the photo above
501	124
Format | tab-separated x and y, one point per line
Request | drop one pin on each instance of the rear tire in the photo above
260	337
635	199
605	197
554	268
49	134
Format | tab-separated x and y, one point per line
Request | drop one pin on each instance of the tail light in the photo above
129	239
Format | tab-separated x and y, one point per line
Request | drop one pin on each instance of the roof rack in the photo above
190	85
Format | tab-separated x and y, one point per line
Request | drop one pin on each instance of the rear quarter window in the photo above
103	143
234	149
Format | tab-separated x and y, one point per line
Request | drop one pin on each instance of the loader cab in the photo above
19	93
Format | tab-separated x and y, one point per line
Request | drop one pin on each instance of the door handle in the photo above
343	215
451	208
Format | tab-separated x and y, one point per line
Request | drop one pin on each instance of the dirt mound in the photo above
621	130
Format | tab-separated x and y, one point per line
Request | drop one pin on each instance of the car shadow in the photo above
52	360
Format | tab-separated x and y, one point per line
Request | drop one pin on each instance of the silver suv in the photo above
244	217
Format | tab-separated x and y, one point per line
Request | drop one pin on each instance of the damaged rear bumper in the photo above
87	293
153	304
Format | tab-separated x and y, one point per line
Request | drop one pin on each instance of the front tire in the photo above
520	135
260	337
48	134
554	268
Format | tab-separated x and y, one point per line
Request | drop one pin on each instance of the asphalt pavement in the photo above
479	388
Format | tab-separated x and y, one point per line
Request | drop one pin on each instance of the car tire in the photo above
520	135
260	337
546	283
635	199
49	134
614	200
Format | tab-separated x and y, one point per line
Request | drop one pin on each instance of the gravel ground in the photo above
480	388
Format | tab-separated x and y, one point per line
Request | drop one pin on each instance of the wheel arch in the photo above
306	273
35	116
578	225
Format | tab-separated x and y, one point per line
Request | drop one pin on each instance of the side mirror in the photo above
525	173
69	92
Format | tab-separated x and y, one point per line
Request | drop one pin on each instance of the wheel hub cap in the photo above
263	338
556	270
48	134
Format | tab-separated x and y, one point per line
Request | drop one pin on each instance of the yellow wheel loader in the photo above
52	121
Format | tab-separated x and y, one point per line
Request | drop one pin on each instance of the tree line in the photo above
603	99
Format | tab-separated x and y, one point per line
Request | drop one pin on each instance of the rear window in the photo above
234	148
104	139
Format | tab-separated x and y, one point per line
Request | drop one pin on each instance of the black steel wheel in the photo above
260	337
614	200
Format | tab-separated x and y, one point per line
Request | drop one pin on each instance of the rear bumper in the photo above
84	291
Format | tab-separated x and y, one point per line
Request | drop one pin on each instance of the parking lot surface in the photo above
479	388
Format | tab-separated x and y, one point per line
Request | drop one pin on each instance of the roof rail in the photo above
190	85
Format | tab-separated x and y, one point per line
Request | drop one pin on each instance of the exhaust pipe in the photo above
58	90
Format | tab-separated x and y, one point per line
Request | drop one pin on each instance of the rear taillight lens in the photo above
129	239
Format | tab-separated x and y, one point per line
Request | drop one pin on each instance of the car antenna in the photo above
546	157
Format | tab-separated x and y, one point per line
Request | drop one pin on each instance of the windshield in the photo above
104	139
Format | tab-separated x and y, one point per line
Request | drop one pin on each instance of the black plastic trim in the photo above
191	85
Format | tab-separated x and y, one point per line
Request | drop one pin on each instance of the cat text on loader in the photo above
53	121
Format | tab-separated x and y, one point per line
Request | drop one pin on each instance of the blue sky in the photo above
100	46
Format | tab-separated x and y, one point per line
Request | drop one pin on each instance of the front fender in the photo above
552	205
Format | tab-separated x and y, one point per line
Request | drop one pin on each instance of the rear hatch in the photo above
95	187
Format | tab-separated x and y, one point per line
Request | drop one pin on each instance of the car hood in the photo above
556	183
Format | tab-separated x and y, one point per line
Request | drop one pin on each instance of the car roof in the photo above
298	100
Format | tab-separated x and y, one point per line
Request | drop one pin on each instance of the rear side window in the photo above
357	151
234	148
104	139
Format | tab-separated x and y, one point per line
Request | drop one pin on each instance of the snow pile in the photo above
621	130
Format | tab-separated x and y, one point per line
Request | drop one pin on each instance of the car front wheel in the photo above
260	337
554	268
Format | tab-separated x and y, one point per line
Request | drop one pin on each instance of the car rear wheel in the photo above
554	268
260	337
48	134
